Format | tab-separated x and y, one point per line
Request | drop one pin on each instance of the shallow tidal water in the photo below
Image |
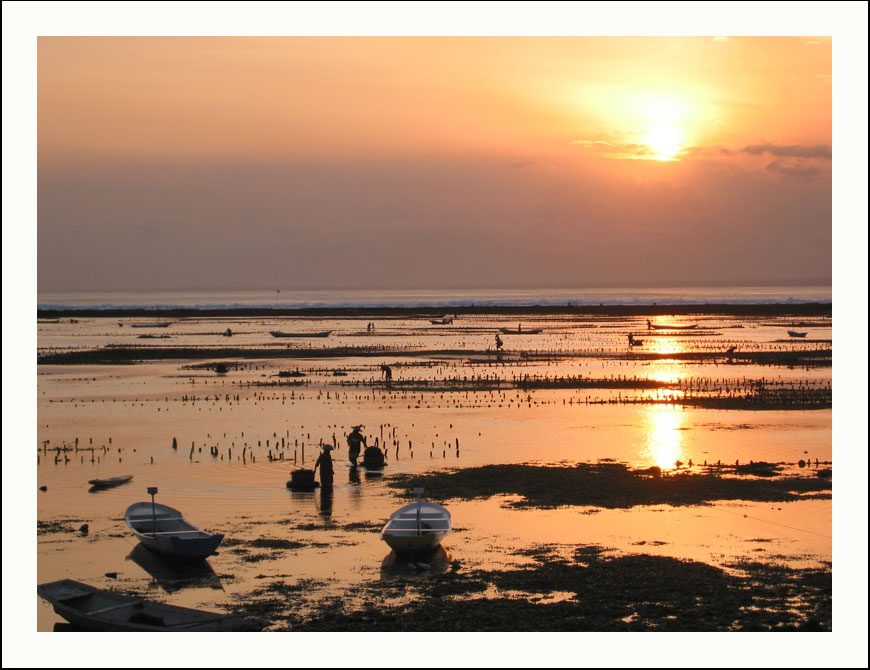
122	419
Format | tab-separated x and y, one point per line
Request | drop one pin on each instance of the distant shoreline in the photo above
821	309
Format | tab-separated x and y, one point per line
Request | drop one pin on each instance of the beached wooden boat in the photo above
795	333
670	326
163	530
520	331
109	482
106	611
159	324
319	333
418	527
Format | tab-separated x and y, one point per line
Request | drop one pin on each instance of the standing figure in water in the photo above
324	461
354	442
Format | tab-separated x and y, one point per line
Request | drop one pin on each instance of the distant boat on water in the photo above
109	482
444	320
159	324
520	331
795	333
669	326
318	333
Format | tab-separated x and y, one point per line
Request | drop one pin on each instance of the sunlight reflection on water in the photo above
664	436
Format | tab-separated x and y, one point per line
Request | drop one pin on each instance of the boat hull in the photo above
164	531
417	528
106	611
109	482
278	333
413	544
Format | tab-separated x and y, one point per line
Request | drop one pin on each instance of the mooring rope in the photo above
776	523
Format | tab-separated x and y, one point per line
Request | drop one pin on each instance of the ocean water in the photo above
286	298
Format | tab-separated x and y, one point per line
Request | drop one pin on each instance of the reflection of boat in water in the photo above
418	527
795	333
669	326
101	610
520	331
281	333
109	482
436	561
173	576
163	530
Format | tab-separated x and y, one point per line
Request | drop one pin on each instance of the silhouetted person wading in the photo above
324	461
354	442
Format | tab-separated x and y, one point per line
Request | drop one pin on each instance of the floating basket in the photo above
302	479
373	457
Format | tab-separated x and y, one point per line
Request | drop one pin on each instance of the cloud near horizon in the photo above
792	161
822	151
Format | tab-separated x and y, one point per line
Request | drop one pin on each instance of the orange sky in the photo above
278	98
443	161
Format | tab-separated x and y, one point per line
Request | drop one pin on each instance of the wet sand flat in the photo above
457	408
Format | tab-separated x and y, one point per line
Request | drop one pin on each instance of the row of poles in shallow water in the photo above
61	453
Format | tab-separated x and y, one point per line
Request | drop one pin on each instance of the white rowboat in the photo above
416	528
163	530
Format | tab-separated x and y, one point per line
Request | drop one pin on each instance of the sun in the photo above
665	119
664	141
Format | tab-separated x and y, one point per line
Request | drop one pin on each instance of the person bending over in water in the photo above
354	441
388	374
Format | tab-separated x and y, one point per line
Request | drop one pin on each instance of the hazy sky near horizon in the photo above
378	162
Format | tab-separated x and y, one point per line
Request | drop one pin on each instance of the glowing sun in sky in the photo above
665	134
664	141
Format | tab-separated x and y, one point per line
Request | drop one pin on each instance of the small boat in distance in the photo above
444	320
109	482
106	611
164	531
418	527
669	326
159	324
795	333
319	333
519	331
